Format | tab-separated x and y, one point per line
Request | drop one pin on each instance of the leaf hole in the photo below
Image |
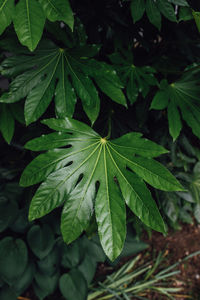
79	179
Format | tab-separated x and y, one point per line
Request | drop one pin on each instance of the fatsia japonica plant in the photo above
105	77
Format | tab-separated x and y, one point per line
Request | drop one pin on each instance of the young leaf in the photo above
58	10
184	97
6	13
94	169
136	79
29	22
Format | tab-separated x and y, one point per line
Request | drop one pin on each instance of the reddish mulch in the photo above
177	245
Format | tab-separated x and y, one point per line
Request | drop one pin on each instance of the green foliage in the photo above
72	173
29	17
63	74
155	10
100	175
180	96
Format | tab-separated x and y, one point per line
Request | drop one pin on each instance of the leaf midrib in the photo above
3	4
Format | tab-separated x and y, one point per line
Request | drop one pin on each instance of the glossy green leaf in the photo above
7	123
6	13
29	22
137	9
58	10
55	73
94	169
153	13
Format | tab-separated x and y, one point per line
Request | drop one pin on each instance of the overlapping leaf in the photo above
92	173
136	79
181	98
29	17
62	74
155	10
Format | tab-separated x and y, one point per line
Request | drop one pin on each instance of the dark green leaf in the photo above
7	123
153	13
58	10
166	9
40	240
73	285
13	258
137	9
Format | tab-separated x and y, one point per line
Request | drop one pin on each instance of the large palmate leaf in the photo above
136	79
155	10
29	17
180	98
62	73
93	173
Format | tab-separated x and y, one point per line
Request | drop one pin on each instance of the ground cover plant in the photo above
107	94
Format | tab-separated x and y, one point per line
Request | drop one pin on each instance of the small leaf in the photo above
58	10
137	9
160	100
7	123
153	13
196	16
175	124
167	9
29	22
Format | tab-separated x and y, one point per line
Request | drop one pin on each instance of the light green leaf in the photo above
58	10
29	22
91	174
137	9
6	13
153	13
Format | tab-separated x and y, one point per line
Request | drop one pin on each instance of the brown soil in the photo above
176	246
